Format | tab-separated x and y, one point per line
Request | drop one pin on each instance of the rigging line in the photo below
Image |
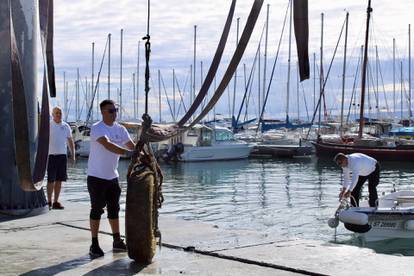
168	101
273	69
248	97
304	99
325	80
250	76
213	68
147	56
353	89
181	95
235	60
374	88
97	83
383	85
85	96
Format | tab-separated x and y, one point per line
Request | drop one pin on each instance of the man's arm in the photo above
130	145
355	176
72	148
114	148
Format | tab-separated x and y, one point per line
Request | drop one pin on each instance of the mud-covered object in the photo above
141	215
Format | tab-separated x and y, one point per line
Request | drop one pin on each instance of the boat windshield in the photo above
224	135
206	137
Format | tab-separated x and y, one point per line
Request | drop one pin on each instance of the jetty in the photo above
57	243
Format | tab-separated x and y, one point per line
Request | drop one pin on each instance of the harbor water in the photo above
281	199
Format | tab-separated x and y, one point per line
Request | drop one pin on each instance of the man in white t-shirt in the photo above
357	168
59	140
109	140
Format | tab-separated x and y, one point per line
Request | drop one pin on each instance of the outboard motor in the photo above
174	153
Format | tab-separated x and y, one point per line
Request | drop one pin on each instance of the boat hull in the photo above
216	152
392	219
287	151
380	153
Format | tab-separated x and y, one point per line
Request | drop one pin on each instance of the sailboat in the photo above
281	138
386	149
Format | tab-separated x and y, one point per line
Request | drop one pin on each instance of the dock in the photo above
57	243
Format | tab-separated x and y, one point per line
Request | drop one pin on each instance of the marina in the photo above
247	138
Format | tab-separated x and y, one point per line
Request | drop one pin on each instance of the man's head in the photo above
108	111
341	160
57	114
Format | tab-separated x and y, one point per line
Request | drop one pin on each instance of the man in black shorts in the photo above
109	140
60	138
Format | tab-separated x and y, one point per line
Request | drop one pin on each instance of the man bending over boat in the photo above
357	168
109	140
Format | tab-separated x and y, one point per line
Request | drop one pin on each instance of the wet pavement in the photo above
57	243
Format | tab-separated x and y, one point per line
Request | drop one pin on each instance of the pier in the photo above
57	242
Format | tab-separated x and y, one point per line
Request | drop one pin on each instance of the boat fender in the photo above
409	225
351	217
357	228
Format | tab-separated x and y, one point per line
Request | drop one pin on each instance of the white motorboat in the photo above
392	218
203	143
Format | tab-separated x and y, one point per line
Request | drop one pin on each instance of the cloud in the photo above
78	23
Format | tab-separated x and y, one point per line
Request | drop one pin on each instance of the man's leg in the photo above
61	175
114	225
96	189
94	223
373	180
58	187
356	192
49	193
112	197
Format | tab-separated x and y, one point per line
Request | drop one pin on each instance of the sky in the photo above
78	23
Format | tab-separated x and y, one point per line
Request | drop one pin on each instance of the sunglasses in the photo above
112	110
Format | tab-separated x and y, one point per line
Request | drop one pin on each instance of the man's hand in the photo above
344	194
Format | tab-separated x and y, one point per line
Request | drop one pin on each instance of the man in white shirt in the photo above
109	140
357	168
60	138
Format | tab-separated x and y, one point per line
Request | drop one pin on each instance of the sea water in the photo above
278	198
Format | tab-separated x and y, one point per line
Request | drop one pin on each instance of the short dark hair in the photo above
339	157
106	102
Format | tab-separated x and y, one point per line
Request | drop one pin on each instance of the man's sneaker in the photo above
119	246
95	251
57	205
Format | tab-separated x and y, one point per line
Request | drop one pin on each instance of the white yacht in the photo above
203	143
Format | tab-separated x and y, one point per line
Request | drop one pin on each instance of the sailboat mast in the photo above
77	94
93	76
65	95
159	94
265	53
194	64
136	100
409	73
120	76
401	92
343	75
175	116
235	72
377	79
314	81
289	56
321	78
297	90
134	97
393	75
258	81
364	71
109	66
